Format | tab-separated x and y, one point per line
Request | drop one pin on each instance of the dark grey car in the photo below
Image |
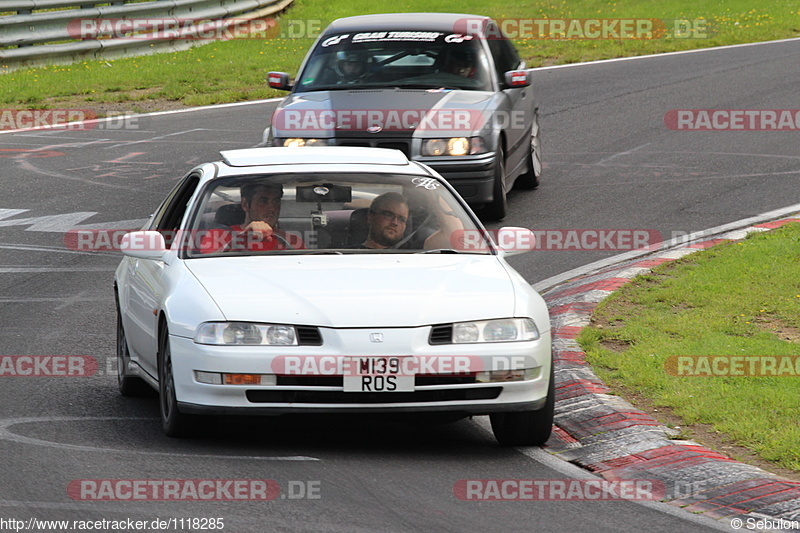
448	90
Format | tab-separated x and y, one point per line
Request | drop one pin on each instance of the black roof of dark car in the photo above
445	22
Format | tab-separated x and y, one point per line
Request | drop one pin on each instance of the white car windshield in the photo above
330	213
422	60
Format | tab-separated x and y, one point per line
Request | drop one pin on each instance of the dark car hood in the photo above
399	112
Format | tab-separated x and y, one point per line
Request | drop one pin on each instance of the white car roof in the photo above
311	159
251	157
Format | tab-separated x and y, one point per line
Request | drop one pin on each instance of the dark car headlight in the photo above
453	146
297	142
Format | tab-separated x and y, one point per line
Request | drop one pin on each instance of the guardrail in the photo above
36	32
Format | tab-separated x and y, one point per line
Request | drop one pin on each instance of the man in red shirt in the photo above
262	207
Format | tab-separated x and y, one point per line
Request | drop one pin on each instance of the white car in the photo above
330	279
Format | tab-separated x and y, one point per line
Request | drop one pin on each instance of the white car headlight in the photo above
245	334
503	330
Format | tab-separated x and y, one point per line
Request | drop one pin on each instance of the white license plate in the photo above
378	374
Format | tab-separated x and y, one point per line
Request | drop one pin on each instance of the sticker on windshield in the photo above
457	38
332	41
427	183
417	36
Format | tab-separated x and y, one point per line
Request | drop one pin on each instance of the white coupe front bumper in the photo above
324	392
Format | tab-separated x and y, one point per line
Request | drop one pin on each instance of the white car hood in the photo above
360	290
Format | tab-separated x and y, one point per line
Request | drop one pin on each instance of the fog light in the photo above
209	378
500	376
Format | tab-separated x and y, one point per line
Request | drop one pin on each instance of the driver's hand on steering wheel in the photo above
259	229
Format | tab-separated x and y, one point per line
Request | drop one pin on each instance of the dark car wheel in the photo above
174	423
526	428
496	210
128	385
530	179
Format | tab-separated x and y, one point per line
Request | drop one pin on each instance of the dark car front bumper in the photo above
472	176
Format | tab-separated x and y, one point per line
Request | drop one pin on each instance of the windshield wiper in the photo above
427	86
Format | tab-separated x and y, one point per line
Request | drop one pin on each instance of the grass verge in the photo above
736	299
236	70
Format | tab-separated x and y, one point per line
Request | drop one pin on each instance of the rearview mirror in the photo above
326	192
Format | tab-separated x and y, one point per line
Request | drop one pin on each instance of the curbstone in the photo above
605	434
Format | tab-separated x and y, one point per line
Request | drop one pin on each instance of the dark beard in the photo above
388	242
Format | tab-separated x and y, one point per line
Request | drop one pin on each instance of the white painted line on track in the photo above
7	435
545	284
157	137
51	249
71	125
43	270
668	54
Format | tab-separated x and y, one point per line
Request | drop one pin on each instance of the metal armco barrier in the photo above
31	37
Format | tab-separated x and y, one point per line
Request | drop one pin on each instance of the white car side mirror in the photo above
513	240
144	245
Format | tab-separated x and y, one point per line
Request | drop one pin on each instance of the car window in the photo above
504	54
396	59
336	213
168	218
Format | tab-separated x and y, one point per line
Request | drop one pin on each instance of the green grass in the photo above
729	300
236	70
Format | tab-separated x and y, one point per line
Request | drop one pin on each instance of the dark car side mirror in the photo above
518	78
279	80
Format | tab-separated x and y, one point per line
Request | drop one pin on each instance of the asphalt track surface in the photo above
610	163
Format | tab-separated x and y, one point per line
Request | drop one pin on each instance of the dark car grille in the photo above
339	397
395	144
308	336
441	334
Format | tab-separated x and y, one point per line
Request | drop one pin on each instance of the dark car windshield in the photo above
410	59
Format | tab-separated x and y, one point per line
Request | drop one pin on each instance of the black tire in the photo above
130	386
526	428
173	422
530	179
496	210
